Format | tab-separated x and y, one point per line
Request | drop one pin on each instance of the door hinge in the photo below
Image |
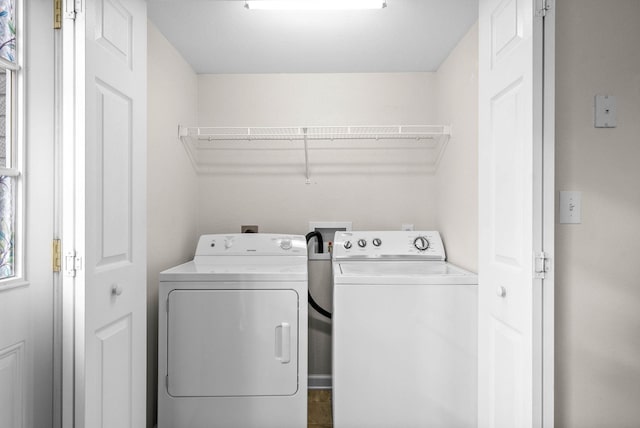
542	265
71	8
56	257
72	263
57	14
543	6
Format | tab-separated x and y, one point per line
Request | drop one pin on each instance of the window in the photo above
9	164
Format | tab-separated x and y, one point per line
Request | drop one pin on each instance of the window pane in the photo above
7	227
7	31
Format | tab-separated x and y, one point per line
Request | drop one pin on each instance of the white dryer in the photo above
232	335
404	333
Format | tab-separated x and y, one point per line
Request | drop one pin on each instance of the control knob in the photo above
285	244
421	243
347	245
377	242
362	243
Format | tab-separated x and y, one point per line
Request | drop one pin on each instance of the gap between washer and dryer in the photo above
319	408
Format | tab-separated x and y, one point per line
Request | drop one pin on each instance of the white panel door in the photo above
105	215
510	213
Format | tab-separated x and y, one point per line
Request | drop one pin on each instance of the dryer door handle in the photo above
283	343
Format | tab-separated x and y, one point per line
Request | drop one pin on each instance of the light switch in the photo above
605	111
570	207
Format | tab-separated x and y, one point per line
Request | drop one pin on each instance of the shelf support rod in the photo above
306	156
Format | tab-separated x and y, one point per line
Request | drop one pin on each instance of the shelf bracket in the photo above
306	156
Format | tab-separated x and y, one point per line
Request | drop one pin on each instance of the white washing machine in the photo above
232	335
404	333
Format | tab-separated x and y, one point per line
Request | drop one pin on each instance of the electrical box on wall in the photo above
606	115
328	230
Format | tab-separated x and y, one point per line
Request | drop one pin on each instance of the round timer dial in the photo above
286	244
421	243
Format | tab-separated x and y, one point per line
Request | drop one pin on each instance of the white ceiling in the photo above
221	36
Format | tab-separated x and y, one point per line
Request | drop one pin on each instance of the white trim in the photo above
11	283
19	144
548	220
8	65
538	211
58	303
9	172
319	381
67	205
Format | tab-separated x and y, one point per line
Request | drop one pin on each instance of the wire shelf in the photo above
201	141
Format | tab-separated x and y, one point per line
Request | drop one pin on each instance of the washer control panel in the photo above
425	245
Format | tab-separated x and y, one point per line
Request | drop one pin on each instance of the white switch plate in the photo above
570	207
606	115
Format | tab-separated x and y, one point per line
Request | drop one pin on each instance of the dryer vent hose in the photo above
312	302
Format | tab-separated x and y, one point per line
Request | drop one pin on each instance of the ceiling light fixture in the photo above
314	4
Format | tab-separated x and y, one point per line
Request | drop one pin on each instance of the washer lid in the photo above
401	272
400	268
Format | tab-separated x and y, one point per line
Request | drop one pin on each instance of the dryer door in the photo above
232	342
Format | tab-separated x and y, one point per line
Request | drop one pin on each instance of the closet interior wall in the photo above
183	205
172	185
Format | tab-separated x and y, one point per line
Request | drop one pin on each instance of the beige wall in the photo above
284	203
316	99
171	181
457	175
598	273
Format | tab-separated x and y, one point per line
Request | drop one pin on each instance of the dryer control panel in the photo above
250	244
396	245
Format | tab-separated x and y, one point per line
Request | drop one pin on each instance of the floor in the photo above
319	408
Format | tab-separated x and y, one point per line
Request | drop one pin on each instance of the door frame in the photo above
544	168
548	215
65	200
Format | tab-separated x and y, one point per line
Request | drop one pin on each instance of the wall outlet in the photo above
249	228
